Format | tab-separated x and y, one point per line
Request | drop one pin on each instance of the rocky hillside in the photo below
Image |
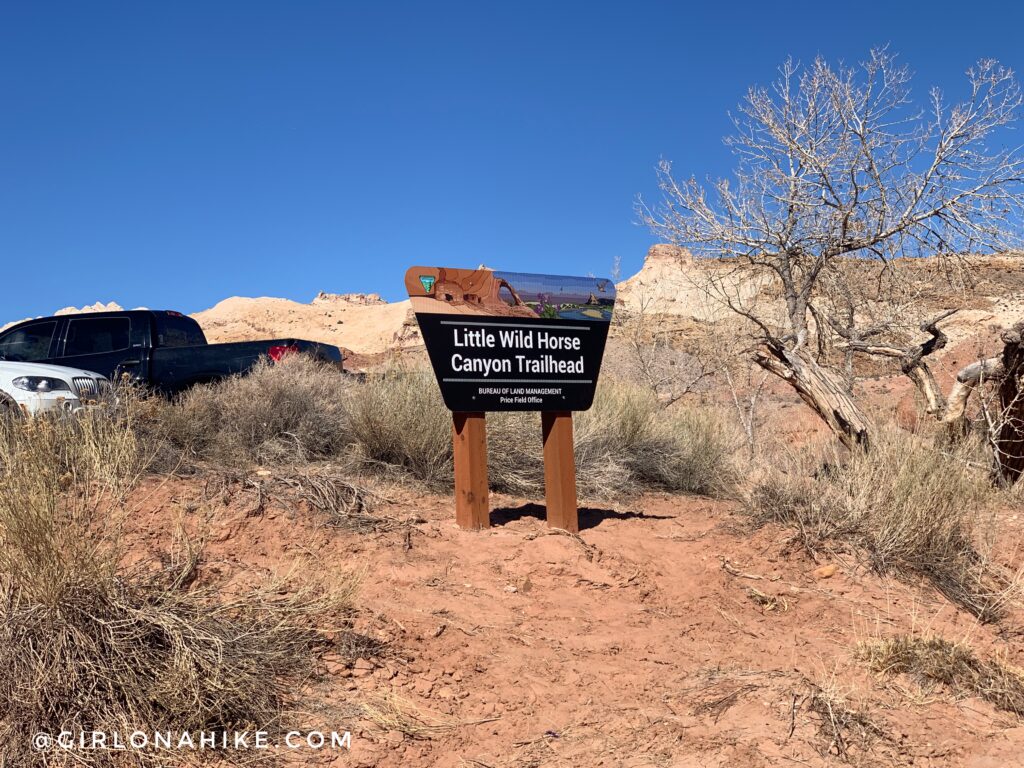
670	283
361	323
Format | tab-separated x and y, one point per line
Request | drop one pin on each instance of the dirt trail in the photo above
637	643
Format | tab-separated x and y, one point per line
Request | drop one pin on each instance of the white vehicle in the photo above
34	388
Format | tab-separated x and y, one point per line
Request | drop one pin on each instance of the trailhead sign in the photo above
509	341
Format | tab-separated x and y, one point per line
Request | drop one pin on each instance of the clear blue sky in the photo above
172	154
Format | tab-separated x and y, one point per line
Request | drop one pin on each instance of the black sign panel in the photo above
502	341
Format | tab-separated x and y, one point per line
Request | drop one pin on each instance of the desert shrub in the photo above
89	644
398	422
99	443
395	423
684	448
119	655
692	450
907	505
955	665
289	412
54	474
47	536
625	444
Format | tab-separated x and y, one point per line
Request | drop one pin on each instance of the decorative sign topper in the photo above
508	341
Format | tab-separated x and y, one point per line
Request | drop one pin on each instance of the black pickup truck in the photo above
165	350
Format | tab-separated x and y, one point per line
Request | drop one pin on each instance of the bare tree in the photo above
746	400
839	174
657	360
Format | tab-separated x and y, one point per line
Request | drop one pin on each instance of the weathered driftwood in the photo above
913	363
967	380
820	388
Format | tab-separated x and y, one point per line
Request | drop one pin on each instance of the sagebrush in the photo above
88	642
910	507
394	423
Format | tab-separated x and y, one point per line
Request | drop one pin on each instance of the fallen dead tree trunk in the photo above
819	388
824	392
1005	424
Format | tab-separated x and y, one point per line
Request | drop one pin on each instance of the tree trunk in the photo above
924	380
1010	440
913	363
822	390
916	368
967	380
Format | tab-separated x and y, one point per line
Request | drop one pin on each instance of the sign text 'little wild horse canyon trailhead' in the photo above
508	341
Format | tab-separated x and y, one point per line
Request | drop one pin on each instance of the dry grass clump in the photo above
398	422
911	508
390	712
937	660
99	443
54	476
626	444
117	656
846	731
652	446
395	424
342	503
86	644
719	698
289	412
689	448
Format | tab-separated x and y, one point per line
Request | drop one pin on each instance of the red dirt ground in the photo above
634	644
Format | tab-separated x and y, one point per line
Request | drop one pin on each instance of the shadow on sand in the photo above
590	517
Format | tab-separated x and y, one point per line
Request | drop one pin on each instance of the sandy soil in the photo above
635	644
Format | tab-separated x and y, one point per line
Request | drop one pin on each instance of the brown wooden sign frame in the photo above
472	493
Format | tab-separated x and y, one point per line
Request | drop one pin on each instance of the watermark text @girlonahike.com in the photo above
84	741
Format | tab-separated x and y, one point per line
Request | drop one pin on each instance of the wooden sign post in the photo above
469	443
509	341
560	471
